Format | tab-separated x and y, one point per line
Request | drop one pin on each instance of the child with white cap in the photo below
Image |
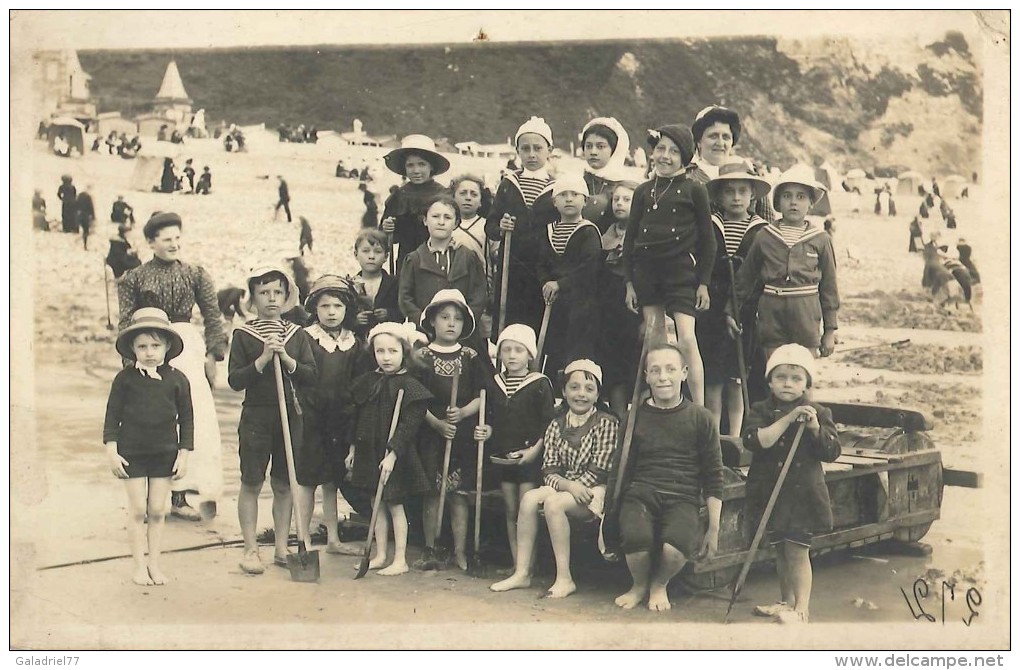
794	260
802	508
404	212
373	455
519	409
271	293
523	205
669	249
578	451
605	146
571	256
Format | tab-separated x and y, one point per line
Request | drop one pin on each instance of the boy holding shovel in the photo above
260	430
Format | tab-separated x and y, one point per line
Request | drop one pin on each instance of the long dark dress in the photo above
68	195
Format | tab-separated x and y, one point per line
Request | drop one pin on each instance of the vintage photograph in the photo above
447	329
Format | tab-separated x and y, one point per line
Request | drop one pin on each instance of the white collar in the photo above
445	348
711	170
344	341
147	371
541	173
575	421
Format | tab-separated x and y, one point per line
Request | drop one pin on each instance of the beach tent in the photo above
149	164
72	130
953	185
908	182
828	176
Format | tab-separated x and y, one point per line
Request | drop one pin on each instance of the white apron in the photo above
205	463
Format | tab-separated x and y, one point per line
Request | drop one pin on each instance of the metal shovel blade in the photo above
304	565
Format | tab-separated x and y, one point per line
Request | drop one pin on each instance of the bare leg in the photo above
510	505
382	540
640	565
135	488
399	564
331	515
158	506
798	565
783	571
248	514
527	529
714	402
658	317
671	562
688	344
558	509
734	407
283	509
459	524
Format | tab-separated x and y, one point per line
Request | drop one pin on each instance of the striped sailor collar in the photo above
261	329
513	178
528	378
583	223
810	230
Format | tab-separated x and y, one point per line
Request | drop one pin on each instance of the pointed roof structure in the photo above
172	87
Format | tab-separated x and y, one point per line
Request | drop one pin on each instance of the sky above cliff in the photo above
184	28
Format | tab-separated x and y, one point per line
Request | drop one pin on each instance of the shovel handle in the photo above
478	472
454	387
504	279
542	332
288	448
389	242
377	503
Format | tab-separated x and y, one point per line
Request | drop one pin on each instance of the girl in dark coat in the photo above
404	211
802	508
372	454
168	181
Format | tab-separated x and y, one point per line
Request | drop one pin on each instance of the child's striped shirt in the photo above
734	231
513	384
792	234
532	187
561	233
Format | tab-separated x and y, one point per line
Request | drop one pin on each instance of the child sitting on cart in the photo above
802	507
579	448
675	460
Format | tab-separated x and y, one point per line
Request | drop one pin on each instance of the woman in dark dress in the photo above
68	196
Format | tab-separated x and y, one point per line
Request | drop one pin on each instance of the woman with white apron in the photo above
175	287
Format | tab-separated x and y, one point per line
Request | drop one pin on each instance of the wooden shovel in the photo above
377	503
504	279
304	567
446	462
475	567
543	330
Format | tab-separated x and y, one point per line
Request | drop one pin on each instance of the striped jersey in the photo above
792	234
512	384
532	187
560	235
734	231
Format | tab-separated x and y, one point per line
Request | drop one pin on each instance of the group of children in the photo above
656	250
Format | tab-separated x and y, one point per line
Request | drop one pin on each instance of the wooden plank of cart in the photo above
886	486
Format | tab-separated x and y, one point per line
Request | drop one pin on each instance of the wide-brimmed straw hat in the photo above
739	171
447	296
149	318
802	175
421	145
261	271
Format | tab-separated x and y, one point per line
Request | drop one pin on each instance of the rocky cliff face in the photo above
854	102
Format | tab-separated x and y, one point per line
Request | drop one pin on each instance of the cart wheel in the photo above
912	533
709	581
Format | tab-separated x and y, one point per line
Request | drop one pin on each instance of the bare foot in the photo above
461	561
395	569
141	577
632	598
157	576
344	548
658	601
377	562
514	581
561	589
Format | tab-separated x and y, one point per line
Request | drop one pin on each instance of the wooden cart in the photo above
886	485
